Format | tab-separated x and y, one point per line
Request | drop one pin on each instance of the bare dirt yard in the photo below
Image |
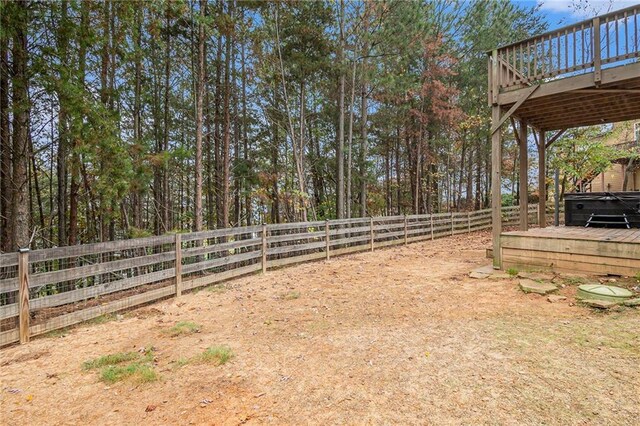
398	336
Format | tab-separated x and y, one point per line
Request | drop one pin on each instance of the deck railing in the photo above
588	46
48	289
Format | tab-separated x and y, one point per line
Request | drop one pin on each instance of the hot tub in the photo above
578	207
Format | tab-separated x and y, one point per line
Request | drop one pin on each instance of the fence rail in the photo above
587	46
44	290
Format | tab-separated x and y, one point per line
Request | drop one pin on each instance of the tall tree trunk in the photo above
165	207
63	125
19	216
340	144
77	129
199	111
6	187
227	129
350	138
364	145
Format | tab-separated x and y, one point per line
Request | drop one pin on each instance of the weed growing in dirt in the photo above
573	280
292	295
217	288
637	276
183	327
110	360
102	319
217	355
142	373
61	332
113	370
512	272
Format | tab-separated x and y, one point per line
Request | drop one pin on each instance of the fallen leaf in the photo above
150	408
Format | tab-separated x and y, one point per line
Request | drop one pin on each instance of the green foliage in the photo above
217	355
513	272
112	371
140	373
183	327
110	360
581	154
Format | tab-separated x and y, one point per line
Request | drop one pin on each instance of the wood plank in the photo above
97	248
8	337
86	293
221	261
296	247
96	311
38	280
214	248
562	245
220	276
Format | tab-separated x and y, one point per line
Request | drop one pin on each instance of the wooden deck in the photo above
573	249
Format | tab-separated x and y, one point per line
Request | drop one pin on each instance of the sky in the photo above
565	12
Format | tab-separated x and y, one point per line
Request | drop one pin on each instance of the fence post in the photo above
326	237
178	267
431	220
451	223
23	294
371	228
264	248
406	234
469	222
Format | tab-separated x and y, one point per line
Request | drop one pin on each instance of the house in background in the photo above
624	170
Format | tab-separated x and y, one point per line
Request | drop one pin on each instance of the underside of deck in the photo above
579	101
601	251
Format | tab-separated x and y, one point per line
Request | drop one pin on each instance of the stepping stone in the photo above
530	286
600	304
632	302
536	276
482	272
553	298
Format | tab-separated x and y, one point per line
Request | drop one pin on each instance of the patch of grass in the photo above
61	332
292	295
183	327
182	361
217	288
217	355
125	365
513	272
110	360
138	372
102	319
573	280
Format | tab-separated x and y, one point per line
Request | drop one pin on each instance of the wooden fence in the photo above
49	289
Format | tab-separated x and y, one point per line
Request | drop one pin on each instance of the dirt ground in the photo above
399	336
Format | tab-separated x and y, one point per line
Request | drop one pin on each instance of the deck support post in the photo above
523	190
496	184
542	187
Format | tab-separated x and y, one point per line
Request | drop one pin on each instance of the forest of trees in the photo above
129	118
